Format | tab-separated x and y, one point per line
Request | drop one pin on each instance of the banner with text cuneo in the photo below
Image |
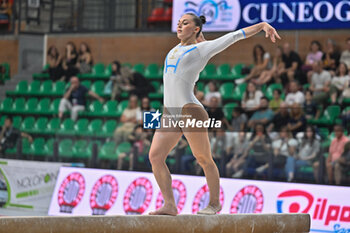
82	191
228	15
26	186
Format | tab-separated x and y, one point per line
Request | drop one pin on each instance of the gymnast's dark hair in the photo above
198	21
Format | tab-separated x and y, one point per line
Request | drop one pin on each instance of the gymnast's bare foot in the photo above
165	210
210	209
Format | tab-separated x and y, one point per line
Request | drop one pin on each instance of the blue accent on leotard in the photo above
243	33
178	60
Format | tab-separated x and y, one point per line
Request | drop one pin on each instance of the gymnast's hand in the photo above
270	32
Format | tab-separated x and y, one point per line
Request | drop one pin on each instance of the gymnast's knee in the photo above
205	161
156	158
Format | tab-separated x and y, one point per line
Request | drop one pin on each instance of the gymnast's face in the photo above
186	28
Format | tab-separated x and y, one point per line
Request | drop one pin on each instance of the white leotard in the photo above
182	67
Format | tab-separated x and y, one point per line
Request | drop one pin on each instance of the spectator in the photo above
307	154
345	56
69	63
292	70
145	104
261	62
140	142
9	136
294	96
284	148
138	84
263	116
278	121
275	71
251	99
215	112
310	107
213	91
331	56
275	103
129	118
339	83
238	121
85	59
5	14
55	64
258	151
239	149
336	149
320	83
342	166
297	121
315	55
74	99
119	81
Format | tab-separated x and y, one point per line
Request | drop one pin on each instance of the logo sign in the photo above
103	194
179	191
201	200
249	199
151	120
138	196
71	192
220	14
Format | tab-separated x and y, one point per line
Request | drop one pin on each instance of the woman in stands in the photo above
181	71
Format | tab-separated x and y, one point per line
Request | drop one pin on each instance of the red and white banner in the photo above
81	191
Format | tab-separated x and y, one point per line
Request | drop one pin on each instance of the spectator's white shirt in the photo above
297	97
319	80
253	102
345	57
209	95
340	82
283	147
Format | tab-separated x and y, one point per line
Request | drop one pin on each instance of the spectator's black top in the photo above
279	121
293	57
216	113
334	56
310	109
301	128
10	137
77	96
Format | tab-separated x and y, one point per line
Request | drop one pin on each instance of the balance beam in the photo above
234	223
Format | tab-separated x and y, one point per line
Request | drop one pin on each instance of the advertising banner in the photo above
228	15
26	186
80	191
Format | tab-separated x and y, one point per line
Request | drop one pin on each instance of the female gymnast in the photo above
181	71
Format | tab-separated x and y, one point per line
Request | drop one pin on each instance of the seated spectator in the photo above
275	103
320	83
9	136
331	56
310	107
118	82
214	111
261	62
5	14
199	95
129	118
55	64
342	166
69	62
138	84
257	154
74	99
145	104
263	116
307	154
345	56
315	55
295	95
251	99
336	150
284	148
213	91
275	71
239	120
85	59
140	142
235	165
278	121
297	121
339	83
292	62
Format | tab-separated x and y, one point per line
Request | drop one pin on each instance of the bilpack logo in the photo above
71	192
180	194
249	199
151	120
299	201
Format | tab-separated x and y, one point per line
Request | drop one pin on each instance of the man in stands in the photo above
292	63
294	96
345	56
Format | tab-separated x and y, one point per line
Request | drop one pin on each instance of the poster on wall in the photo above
26	186
228	15
82	191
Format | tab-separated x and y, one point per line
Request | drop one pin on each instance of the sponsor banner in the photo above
228	15
26	186
82	191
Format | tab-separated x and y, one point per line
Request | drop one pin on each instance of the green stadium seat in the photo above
156	85
86	83
224	72
65	149
324	133
94	127
110	108
43	106
81	150
239	91
42	76
81	127
227	109
17	120
40	125
2	120
6	105
21	89
94	109
156	104
18	106
127	64
152	71
58	88
237	71
37	148
67	127
140	68
107	129
108	70
328	117
122	106
160	72
25	146
54	106
48	148
226	91
31	106
124	147
108	151
209	72
200	86
270	89
98	87
158	94
46	88
34	88
53	126
27	124
98	72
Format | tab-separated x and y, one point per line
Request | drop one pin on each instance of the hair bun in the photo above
203	19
